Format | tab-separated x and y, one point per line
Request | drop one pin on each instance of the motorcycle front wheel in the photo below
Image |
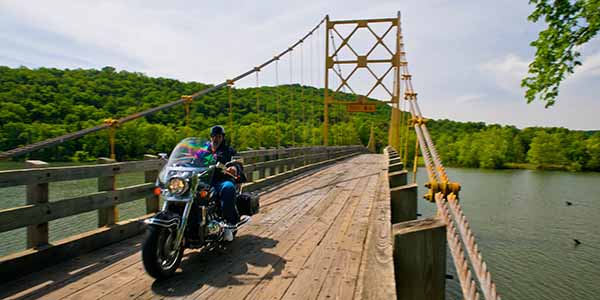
158	252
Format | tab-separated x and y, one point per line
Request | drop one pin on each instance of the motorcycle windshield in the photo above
192	152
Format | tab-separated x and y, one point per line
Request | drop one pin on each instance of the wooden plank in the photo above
342	277
324	211
279	207
395	160
376	279
292	260
288	174
53	174
270	235
18	264
37	193
420	259
150	176
107	215
404	203
60	280
284	236
310	279
289	214
13	218
117	275
141	286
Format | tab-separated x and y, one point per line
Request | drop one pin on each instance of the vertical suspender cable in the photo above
312	85
258	107
406	137
229	87
278	98
291	101
401	137
302	100
416	161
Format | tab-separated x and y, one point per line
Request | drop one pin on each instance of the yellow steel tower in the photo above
392	63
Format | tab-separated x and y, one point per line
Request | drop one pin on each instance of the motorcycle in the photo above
191	215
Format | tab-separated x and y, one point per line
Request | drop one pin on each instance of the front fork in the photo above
182	224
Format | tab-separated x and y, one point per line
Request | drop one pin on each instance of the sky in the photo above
466	57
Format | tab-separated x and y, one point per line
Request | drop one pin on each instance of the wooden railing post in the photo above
150	176
397	178
109	215
395	160
273	156
37	235
261	158
404	203
420	259
290	162
395	167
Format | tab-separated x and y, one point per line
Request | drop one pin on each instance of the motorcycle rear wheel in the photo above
159	256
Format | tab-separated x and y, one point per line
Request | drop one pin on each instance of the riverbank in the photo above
529	166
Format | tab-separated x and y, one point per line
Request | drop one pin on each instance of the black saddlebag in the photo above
248	204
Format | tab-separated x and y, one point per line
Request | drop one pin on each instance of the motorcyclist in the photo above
225	186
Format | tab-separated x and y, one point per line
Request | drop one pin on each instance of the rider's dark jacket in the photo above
224	155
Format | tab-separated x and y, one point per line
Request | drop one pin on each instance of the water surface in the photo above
525	230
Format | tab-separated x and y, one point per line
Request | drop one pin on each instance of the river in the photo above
520	218
525	230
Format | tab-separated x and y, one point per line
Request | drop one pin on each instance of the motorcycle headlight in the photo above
177	186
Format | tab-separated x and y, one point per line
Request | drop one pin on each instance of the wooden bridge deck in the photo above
308	242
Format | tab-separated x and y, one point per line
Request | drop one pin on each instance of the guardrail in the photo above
262	167
419	246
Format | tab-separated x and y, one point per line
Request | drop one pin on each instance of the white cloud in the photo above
590	67
508	71
469	98
214	40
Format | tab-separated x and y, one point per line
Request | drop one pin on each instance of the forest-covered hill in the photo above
46	102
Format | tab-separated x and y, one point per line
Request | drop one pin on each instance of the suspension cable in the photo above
469	289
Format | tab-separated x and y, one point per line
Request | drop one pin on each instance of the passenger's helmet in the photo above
218	129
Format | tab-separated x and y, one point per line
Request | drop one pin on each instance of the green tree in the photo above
593	150
570	24
546	149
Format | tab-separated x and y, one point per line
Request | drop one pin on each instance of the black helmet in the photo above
218	129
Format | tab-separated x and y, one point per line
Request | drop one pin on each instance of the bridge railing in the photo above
419	246
262	167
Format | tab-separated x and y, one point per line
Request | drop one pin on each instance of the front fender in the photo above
165	219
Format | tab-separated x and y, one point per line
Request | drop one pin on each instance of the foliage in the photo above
569	24
494	146
44	103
